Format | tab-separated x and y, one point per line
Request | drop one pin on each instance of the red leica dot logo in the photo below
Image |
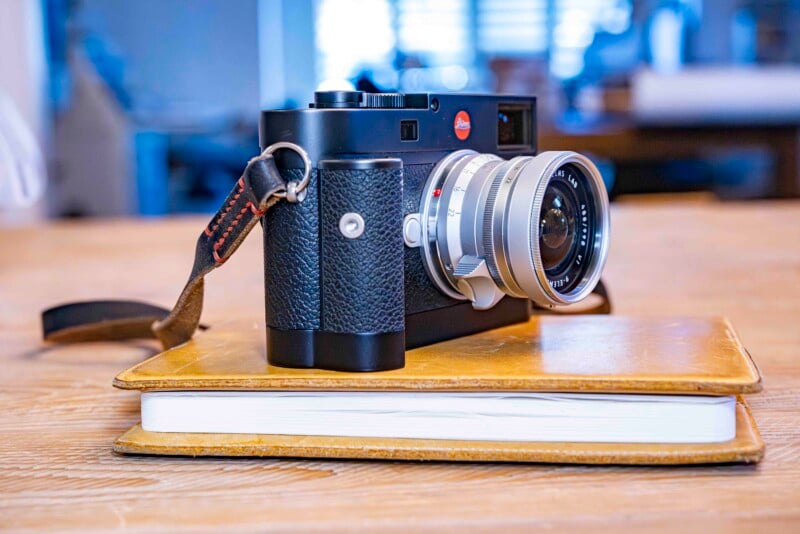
462	125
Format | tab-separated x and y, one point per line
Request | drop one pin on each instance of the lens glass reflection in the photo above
566	228
557	227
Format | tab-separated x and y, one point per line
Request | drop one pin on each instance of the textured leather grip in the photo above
362	278
254	193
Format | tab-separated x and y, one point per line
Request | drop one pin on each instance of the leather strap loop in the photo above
254	193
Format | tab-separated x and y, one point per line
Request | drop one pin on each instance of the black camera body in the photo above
344	290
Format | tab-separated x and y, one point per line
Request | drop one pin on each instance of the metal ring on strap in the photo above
295	191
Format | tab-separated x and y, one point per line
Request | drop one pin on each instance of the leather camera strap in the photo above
256	191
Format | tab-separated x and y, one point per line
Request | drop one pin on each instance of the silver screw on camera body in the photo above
351	225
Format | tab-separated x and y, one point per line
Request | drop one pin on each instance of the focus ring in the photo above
494	221
488	229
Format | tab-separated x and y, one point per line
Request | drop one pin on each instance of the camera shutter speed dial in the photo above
359	99
384	100
530	227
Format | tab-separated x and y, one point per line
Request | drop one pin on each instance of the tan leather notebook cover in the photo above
609	354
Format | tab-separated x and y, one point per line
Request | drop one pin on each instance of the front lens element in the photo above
567	227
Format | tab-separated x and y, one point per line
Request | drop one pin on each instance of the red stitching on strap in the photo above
255	210
234	223
210	231
217	257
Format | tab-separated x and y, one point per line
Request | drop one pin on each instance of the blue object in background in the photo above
152	173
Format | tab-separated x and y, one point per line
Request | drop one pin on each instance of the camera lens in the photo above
530	227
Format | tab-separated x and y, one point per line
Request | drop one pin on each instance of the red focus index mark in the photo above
437	193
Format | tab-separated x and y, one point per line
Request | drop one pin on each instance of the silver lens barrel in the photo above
530	227
525	209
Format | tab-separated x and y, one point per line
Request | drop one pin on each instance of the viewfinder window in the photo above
513	125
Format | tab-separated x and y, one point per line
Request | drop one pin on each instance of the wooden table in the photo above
59	413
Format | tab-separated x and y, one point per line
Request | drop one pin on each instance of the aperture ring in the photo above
430	204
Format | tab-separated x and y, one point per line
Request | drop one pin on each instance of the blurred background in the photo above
150	107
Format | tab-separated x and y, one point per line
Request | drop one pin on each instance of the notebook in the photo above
581	389
490	416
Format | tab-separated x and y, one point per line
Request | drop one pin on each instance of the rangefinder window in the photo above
513	126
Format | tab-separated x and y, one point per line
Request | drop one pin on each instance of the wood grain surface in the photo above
59	413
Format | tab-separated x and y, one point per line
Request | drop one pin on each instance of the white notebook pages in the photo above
447	415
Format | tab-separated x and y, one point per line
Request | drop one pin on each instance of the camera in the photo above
427	217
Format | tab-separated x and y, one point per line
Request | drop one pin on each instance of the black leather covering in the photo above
291	260
362	278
